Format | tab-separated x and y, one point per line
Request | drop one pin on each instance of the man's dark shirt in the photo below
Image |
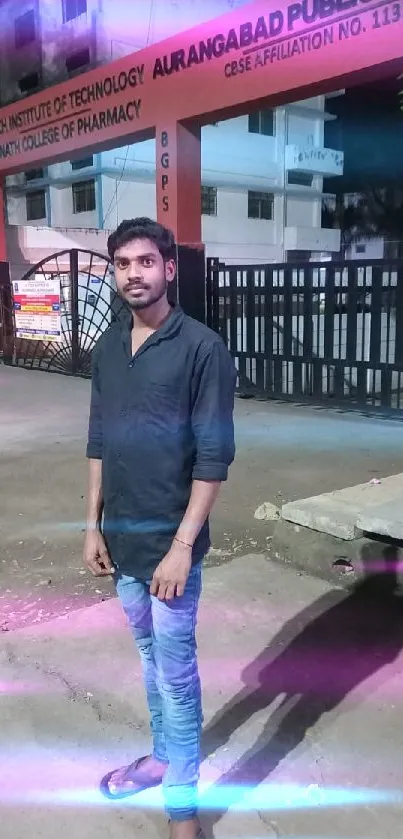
158	421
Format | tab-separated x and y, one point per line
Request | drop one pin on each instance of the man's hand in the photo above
96	557
171	576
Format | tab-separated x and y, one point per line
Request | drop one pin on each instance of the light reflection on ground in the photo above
237	798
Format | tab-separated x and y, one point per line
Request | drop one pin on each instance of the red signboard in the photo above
260	54
254	53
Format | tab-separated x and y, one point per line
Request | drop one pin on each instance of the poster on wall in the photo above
37	309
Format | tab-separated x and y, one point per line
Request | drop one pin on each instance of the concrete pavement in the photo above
284	452
303	704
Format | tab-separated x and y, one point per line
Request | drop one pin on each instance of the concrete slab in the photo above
323	513
384	519
343	512
303	709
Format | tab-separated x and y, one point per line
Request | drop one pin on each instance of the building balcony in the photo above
314	160
317	239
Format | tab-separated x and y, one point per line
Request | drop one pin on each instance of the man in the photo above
160	442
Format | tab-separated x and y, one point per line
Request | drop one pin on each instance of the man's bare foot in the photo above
145	773
185	830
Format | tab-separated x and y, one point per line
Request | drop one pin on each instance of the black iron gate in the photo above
313	331
6	321
88	304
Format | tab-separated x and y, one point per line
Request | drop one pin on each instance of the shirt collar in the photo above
169	328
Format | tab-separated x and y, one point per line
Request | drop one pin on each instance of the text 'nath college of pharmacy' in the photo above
117	100
70	115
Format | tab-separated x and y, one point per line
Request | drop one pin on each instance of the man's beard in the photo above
150	299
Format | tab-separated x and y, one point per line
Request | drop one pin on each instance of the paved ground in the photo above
302	691
285	452
301	679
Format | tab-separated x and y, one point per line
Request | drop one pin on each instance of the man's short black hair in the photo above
143	228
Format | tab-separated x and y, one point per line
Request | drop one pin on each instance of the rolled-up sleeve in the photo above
94	443
214	382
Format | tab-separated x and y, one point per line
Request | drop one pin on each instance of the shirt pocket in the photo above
160	407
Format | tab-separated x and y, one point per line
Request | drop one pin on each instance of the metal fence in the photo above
88	303
314	331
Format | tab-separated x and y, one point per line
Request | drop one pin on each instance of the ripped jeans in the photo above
165	634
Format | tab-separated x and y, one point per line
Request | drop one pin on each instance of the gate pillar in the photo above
178	149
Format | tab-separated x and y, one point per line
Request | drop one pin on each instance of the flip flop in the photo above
128	772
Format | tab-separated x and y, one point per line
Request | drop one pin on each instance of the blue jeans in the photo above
165	633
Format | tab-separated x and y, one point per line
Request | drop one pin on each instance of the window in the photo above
209	201
36	205
82	164
77	60
260	205
300	178
73	9
24	29
262	122
34	175
360	249
84	197
29	83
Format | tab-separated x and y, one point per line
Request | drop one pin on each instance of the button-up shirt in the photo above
158	421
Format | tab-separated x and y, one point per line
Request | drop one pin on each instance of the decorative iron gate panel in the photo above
89	303
6	321
314	331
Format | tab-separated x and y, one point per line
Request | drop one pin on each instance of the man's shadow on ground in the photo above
316	660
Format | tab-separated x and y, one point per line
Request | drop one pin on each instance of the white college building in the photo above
262	173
